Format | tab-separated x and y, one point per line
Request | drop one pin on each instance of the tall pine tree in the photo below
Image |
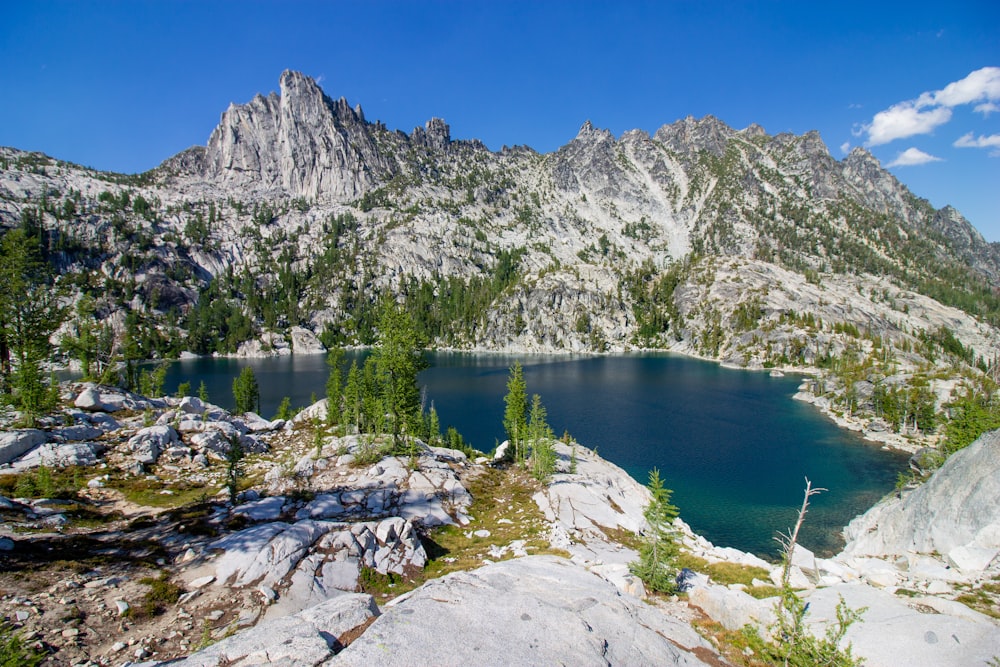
515	416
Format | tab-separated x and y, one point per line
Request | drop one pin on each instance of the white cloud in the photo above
904	120
845	147
933	109
968	141
983	84
986	108
911	157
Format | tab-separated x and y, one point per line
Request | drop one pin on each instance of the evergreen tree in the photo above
515	420
29	313
657	558
543	453
972	415
433	427
234	467
396	361
246	391
353	396
334	396
284	409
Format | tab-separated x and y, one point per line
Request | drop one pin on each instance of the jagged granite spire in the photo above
298	142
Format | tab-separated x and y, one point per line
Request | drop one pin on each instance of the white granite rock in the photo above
15	443
598	494
265	509
90	399
191	405
77	433
295	559
56	455
732	608
148	443
959	506
899	631
971	558
303	639
528	611
305	341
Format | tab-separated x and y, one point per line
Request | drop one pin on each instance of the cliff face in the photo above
953	514
298	143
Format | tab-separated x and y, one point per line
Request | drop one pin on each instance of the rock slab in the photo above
539	610
956	511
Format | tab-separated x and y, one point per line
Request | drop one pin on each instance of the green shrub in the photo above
14	652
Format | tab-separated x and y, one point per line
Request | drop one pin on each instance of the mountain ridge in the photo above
301	212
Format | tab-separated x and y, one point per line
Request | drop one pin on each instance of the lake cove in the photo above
733	445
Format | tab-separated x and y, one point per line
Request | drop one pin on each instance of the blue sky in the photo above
124	85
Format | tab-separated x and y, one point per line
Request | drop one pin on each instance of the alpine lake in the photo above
733	445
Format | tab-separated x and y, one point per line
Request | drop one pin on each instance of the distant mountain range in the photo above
299	212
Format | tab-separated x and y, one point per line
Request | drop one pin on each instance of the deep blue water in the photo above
733	445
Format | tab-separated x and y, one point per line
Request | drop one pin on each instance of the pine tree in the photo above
334	396
657	558
353	396
29	313
543	453
396	360
246	391
234	467
434	427
515	420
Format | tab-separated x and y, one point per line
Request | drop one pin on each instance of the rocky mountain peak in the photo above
434	134
690	135
860	158
812	142
590	133
298	143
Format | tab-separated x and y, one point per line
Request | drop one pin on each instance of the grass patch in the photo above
626	538
985	599
149	492
15	651
763	592
374	582
45	482
162	592
732	644
725	573
502	504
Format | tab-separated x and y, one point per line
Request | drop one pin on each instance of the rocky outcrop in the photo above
298	142
16	443
308	562
529	611
954	514
306	638
894	630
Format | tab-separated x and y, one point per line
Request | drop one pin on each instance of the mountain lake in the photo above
733	445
